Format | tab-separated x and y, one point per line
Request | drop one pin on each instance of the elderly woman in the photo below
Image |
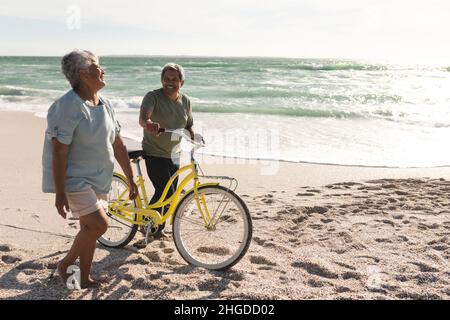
82	139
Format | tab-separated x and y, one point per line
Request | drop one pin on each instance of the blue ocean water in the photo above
309	110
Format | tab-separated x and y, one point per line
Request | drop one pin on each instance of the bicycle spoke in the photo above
193	221
217	245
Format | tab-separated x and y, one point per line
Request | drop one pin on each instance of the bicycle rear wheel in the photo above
120	232
217	246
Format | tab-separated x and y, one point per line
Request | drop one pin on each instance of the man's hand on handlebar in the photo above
152	127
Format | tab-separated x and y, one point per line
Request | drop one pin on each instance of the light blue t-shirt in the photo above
90	132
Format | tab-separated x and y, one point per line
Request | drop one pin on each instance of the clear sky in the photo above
404	30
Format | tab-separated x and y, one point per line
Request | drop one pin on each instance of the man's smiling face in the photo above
171	82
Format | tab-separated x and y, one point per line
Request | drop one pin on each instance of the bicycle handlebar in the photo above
181	133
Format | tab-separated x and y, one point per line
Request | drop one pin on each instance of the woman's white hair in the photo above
75	61
173	66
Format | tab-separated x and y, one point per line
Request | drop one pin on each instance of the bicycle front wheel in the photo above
119	232
223	239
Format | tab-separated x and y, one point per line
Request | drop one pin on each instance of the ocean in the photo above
302	110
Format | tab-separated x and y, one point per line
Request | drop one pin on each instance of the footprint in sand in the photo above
299	220
386	221
315	226
315	283
32	265
424	226
210	285
139	260
10	258
346	266
442	240
153	256
140	244
424	267
316	209
341	289
261	260
315	269
351	275
383	240
346	236
259	241
426	278
5	248
440	247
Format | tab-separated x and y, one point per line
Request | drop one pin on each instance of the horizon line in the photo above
384	60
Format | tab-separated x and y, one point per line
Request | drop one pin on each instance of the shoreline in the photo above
136	145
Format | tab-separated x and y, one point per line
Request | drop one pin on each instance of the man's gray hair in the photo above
75	61
173	66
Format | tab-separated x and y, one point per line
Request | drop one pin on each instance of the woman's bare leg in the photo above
92	226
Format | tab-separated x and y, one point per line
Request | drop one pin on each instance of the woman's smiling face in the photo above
94	76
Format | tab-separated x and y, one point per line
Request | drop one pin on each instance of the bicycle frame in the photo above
144	210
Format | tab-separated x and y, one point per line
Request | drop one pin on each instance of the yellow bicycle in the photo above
212	226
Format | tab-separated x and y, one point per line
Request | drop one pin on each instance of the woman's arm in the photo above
121	154
60	152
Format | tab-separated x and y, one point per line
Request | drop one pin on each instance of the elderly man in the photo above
166	108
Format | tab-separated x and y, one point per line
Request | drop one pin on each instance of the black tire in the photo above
129	235
212	245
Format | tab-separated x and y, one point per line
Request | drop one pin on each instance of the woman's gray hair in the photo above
75	61
173	66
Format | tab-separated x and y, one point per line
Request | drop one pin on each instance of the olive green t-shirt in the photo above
170	115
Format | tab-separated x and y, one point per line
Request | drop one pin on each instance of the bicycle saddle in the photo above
134	155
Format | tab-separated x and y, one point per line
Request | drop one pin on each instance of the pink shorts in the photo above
84	202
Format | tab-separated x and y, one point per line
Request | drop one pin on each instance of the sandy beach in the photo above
320	232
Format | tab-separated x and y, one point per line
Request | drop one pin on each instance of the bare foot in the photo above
93	284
